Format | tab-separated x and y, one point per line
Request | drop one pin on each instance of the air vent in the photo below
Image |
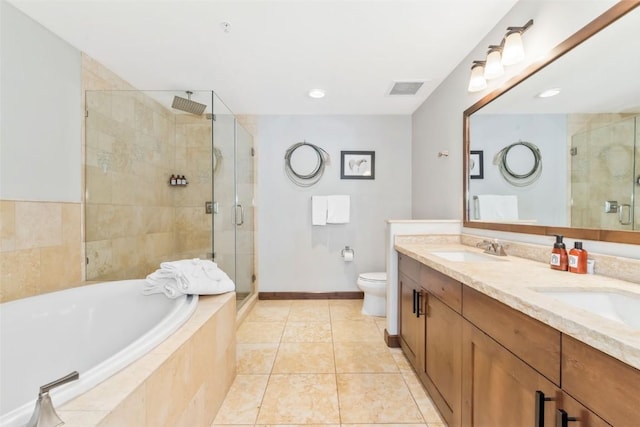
405	88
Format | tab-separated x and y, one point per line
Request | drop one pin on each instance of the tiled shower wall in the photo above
603	168
134	219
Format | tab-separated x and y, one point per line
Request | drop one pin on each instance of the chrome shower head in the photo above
188	105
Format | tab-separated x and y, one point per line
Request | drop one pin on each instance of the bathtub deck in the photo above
182	382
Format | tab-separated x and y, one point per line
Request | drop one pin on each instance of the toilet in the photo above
374	286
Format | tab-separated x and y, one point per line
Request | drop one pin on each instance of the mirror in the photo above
567	164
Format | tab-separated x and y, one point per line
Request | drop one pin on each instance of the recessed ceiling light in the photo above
549	93
316	93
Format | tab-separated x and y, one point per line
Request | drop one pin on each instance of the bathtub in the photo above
96	330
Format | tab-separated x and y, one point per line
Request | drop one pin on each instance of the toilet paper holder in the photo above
347	251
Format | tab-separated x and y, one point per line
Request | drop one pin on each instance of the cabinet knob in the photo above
563	419
540	400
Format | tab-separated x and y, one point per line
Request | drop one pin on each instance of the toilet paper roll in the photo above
348	256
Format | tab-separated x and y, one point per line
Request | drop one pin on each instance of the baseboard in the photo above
391	340
310	295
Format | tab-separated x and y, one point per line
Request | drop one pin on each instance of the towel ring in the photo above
513	178
306	179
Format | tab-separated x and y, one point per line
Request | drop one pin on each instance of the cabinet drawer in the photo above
607	386
409	267
532	341
443	287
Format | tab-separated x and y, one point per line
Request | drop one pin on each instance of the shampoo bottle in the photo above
578	259
559	259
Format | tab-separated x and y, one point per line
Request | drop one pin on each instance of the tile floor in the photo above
321	362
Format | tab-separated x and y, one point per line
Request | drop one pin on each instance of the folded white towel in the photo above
319	210
193	276
492	207
338	209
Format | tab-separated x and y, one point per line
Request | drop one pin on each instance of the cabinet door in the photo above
498	389
411	327
443	354
581	416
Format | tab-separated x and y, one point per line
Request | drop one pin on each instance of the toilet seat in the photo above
373	278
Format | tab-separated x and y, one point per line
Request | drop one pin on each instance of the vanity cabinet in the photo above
486	364
443	355
411	319
607	386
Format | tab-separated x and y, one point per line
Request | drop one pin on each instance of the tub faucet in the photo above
44	414
493	247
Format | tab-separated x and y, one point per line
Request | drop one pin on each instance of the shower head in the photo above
188	105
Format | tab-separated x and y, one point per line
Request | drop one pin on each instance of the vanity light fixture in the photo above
510	51
513	49
493	68
316	93
549	92
477	82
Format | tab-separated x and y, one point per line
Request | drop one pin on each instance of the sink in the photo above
464	256
621	306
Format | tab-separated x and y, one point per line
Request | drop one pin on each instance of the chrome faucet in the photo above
493	247
44	414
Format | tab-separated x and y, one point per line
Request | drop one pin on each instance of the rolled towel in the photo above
168	289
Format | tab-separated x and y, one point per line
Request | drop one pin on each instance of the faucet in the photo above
44	414
493	247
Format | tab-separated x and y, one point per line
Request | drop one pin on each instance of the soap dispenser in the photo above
559	258
578	259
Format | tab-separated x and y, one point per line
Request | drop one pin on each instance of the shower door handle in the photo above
235	214
621	210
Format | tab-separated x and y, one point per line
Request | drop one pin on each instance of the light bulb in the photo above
513	50
477	82
493	67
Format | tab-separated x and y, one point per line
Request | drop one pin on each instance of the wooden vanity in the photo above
486	364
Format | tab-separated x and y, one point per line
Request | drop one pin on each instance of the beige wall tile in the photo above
20	274
131	412
7	225
38	224
60	267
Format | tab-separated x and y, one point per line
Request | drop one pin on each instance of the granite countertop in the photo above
510	279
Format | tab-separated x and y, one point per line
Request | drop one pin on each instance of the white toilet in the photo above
374	286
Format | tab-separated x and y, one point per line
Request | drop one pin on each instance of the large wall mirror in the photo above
569	163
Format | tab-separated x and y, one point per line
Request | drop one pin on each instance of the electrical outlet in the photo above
208	207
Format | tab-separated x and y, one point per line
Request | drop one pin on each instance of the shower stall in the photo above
136	216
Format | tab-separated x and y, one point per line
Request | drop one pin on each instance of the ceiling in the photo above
274	52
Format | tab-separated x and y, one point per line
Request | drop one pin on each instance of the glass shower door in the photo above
245	230
233	197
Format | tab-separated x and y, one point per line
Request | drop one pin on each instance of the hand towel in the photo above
318	210
493	207
338	208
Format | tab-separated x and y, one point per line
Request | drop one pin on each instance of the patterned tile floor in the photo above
321	362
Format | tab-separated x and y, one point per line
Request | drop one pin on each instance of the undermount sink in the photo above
465	256
615	305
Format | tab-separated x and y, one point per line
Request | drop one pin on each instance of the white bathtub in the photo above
95	330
